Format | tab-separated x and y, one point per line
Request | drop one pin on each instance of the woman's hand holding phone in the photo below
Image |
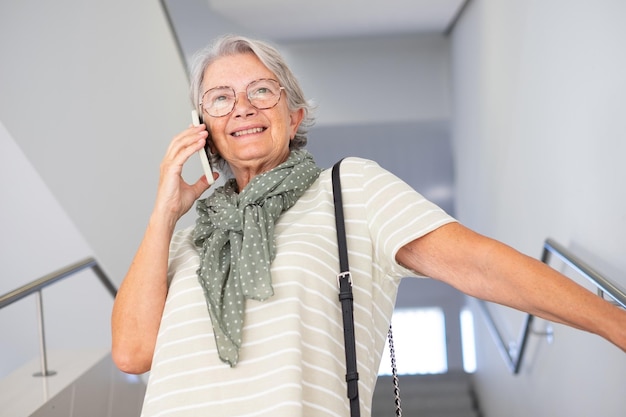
175	196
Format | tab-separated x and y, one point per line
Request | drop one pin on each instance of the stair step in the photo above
429	404
444	395
444	402
464	413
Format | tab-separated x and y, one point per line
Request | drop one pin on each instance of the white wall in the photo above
92	92
410	72
538	134
37	238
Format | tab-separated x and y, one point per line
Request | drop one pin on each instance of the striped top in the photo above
292	362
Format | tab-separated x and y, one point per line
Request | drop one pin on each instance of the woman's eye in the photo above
221	100
262	91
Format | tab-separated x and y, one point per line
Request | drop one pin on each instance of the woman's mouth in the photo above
248	131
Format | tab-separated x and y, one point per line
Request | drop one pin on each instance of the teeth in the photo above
248	131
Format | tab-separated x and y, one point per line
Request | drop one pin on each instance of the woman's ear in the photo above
210	145
295	118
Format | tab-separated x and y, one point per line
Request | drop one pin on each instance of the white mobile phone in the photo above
204	153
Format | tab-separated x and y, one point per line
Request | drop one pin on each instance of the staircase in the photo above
442	395
86	383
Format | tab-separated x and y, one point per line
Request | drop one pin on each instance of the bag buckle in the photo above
342	275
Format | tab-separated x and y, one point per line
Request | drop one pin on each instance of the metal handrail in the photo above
603	284
37	285
514	353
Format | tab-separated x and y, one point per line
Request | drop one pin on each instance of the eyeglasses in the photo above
220	101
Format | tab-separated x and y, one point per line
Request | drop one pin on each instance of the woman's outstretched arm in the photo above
487	269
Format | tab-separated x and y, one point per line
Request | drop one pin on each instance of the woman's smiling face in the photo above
252	141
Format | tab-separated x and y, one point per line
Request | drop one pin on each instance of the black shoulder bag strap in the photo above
344	280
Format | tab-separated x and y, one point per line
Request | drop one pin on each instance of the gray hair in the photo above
270	57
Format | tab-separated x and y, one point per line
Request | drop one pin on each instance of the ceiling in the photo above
306	20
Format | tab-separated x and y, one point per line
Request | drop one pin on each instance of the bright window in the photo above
419	337
468	341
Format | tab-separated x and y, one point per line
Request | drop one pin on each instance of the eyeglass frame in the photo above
236	95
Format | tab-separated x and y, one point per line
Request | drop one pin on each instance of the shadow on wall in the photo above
418	152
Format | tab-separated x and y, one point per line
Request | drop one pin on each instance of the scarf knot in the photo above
235	236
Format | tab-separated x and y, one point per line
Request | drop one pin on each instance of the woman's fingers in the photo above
184	145
201	186
174	195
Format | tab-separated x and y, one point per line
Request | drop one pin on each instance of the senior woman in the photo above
239	315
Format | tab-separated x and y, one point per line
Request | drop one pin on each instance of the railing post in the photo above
42	339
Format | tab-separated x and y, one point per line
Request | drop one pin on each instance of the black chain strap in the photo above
394	373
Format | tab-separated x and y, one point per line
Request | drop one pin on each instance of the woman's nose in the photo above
243	106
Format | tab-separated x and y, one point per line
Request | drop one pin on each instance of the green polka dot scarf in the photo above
235	236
